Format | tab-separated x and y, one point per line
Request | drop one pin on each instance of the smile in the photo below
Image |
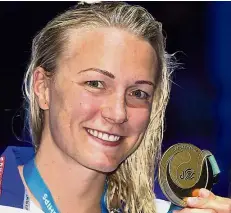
103	136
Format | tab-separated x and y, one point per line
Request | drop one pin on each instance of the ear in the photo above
41	85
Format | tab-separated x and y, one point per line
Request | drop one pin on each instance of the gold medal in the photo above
185	168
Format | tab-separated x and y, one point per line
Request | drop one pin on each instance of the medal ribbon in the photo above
41	192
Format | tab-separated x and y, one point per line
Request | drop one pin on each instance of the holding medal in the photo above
184	169
186	176
96	91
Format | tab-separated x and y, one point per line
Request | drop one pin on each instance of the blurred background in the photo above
199	111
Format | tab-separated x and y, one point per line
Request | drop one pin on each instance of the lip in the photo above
105	143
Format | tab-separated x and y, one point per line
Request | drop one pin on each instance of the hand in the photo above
206	202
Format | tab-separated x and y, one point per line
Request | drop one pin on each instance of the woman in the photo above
97	88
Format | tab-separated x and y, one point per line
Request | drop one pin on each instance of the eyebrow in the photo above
110	75
104	72
145	82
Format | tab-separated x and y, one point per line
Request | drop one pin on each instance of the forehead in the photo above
111	49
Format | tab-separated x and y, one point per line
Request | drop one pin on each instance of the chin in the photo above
103	167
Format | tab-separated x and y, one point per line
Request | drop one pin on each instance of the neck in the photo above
72	185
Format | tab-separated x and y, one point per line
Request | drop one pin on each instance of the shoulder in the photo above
11	186
10	158
18	154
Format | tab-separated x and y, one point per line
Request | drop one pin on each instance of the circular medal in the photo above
185	168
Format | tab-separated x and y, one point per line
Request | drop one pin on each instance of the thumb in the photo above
205	193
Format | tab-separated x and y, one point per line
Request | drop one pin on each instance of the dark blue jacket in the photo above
12	190
11	186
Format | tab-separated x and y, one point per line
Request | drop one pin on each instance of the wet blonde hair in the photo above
132	184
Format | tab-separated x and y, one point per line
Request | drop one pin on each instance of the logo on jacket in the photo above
2	164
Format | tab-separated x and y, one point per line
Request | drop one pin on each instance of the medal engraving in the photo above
184	168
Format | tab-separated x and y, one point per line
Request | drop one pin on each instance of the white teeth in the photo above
111	138
91	131
103	136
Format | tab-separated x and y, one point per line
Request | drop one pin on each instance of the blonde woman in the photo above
96	91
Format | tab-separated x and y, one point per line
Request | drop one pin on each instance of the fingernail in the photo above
175	211
192	200
204	193
195	192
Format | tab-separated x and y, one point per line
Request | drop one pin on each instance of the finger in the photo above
205	193
188	210
221	205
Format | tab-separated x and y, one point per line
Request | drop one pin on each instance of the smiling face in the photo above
101	97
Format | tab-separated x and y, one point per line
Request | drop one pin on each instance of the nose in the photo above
114	110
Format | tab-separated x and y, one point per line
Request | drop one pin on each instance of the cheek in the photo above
139	119
85	107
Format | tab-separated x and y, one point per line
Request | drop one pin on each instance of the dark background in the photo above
199	109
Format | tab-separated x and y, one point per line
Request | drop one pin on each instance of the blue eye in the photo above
140	94
95	84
